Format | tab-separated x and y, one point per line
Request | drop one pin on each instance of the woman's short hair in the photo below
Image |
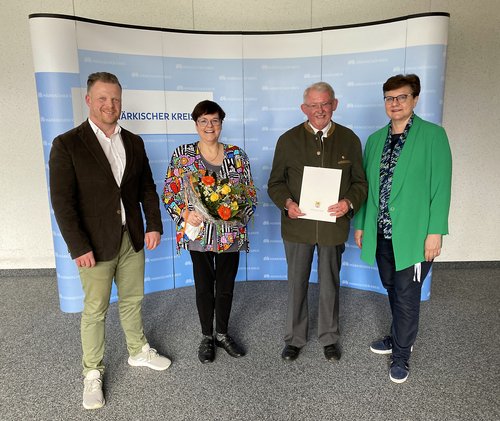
102	77
207	107
398	81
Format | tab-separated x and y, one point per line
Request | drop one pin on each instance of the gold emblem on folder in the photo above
317	204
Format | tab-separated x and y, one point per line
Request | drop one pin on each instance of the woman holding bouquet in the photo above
209	193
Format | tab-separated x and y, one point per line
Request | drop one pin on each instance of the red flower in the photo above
224	212
175	186
208	180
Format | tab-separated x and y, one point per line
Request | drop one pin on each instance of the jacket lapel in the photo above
90	140
129	155
375	169
407	154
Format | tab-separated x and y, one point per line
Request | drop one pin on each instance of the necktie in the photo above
319	137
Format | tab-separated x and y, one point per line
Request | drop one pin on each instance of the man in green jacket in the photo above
318	142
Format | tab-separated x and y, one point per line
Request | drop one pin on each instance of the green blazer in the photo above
420	196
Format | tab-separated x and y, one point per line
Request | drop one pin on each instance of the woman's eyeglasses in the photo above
401	99
203	122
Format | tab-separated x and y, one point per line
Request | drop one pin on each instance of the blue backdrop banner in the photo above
258	79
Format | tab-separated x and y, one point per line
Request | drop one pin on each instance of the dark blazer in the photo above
86	198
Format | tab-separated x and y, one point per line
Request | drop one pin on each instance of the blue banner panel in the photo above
259	80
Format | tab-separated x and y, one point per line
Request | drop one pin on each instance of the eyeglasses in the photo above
203	122
319	105
400	98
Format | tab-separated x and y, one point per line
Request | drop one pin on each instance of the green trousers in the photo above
127	269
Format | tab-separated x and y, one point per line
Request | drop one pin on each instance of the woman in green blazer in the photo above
408	167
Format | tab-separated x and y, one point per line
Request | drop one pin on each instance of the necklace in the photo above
212	159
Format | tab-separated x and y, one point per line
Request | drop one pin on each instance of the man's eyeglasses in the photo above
400	98
203	122
318	105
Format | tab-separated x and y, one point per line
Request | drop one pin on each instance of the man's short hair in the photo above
321	87
102	77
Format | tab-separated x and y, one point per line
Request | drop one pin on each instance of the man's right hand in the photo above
293	210
86	260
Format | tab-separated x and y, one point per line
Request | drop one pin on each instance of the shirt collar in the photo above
97	130
325	130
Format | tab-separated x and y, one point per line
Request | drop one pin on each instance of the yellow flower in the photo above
225	189
234	205
214	197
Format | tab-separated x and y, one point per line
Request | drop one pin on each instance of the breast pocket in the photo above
344	163
343	160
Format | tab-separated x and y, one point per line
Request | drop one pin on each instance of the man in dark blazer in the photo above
99	178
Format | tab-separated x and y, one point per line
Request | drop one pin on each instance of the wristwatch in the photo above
350	212
285	209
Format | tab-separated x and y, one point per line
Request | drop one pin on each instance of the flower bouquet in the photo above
219	200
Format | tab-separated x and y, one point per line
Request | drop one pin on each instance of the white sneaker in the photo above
92	391
149	357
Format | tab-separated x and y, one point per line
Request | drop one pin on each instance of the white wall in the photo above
471	108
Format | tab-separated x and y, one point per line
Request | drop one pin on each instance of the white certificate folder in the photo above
320	189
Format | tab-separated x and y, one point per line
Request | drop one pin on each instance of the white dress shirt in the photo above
325	129
115	152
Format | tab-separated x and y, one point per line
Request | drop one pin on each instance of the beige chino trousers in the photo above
127	270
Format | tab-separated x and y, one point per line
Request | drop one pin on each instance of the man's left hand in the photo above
339	209
152	239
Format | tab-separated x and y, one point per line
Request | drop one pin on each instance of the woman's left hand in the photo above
432	247
194	218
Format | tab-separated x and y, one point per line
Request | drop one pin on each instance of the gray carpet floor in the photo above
454	366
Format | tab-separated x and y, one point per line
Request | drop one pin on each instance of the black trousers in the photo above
404	291
214	276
